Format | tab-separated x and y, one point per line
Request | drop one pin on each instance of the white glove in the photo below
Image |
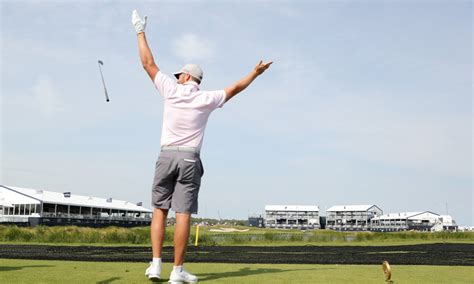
138	22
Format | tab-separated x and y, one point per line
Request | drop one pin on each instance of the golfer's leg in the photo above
181	235
161	194
157	230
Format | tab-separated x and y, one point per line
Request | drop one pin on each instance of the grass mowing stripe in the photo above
36	271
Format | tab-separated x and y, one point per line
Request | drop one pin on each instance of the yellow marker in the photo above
197	236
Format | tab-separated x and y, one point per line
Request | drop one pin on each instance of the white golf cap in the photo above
191	69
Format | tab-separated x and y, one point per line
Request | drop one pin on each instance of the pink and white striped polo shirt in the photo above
186	110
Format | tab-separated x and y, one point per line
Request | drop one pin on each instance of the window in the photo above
27	209
48	208
62	209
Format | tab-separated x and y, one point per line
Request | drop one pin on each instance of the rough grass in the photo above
39	271
72	234
255	236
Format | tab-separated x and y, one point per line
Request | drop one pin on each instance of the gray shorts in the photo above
177	181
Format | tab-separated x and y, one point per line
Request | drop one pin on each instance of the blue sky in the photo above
367	102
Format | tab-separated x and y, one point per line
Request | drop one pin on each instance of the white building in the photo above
351	217
445	223
31	207
419	221
292	216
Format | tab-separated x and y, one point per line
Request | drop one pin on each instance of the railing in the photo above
13	219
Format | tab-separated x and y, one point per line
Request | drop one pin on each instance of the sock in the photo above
157	260
178	268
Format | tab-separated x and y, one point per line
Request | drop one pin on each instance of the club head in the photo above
100	62
387	271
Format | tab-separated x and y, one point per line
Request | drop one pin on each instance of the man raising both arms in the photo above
179	169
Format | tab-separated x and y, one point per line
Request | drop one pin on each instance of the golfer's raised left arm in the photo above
243	83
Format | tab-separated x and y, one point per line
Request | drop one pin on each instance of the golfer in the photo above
179	169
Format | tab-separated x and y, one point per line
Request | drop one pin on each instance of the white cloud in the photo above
192	47
45	97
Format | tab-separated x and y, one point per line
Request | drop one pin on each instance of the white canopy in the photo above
18	195
420	215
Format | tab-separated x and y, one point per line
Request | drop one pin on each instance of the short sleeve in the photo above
164	84
216	99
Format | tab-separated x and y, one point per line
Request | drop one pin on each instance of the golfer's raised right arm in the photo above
146	57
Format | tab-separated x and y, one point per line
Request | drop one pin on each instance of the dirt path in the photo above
428	254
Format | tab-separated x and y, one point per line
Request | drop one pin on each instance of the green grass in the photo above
255	236
38	271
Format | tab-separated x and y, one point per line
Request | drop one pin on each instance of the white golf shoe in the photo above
153	271
178	277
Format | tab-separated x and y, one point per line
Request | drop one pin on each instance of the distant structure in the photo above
322	222
419	221
351	217
31	207
445	223
292	216
256	221
354	218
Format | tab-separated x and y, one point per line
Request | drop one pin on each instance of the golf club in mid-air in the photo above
103	82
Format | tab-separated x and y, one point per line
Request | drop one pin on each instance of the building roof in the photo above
342	208
5	204
18	195
407	215
291	208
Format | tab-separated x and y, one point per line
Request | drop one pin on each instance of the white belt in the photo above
180	149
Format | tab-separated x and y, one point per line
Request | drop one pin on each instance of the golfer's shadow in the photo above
246	271
159	280
12	268
107	281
